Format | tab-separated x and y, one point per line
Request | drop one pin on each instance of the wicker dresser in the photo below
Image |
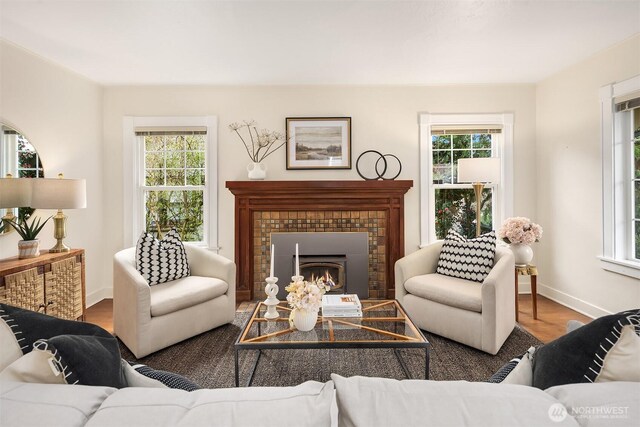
52	283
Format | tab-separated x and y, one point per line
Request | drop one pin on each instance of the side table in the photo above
532	271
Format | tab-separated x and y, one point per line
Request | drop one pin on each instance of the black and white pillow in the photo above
72	352
469	259
603	350
160	261
169	379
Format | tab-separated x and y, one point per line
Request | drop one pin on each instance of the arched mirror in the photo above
19	158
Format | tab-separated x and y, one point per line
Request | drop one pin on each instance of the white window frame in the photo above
133	170
503	197
617	204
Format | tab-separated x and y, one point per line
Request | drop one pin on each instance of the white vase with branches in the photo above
258	144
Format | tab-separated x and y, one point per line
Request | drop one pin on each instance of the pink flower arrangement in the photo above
520	230
305	295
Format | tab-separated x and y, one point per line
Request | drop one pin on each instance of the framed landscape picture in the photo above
318	142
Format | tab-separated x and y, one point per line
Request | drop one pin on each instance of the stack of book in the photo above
344	305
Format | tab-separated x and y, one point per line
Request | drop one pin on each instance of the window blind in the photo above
464	130
170	130
627	104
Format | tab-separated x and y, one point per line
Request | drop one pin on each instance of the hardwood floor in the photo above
551	322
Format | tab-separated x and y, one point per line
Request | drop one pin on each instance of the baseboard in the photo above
97	296
571	302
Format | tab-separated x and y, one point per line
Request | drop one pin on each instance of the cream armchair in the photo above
149	318
481	315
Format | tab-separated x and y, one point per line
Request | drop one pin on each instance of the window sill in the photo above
627	268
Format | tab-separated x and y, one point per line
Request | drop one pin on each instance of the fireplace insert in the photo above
331	267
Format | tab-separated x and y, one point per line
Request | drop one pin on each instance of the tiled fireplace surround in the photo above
265	207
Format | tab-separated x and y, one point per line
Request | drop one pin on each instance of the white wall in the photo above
61	114
384	118
569	193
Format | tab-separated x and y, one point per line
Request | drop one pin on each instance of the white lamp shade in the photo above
15	192
59	193
482	169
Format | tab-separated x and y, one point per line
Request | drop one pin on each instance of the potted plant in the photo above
29	246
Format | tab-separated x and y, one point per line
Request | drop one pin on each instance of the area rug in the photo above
208	360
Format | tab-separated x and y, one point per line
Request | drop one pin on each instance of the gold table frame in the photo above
329	331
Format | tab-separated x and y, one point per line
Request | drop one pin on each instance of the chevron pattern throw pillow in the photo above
469	259
160	261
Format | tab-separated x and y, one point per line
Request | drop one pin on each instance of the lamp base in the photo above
477	188
59	247
59	232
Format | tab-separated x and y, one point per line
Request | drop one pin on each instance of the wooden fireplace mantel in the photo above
252	196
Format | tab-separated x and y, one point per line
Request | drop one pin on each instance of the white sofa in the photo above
480	315
149	318
356	401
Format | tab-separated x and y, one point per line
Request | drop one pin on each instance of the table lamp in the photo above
14	193
59	193
479	171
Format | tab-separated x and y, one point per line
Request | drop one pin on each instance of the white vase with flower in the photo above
259	145
519	232
305	298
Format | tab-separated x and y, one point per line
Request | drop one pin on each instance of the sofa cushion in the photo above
160	261
469	259
308	404
580	356
446	290
384	402
23	404
604	404
184	293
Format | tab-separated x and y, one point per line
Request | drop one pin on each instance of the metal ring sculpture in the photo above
380	173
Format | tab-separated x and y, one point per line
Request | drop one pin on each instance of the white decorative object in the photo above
257	171
28	249
305	298
522	253
271	289
297	263
304	320
273	255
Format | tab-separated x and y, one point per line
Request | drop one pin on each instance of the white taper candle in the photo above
297	261
273	255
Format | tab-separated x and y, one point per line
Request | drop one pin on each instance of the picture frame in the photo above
318	142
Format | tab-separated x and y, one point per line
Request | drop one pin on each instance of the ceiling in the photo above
433	42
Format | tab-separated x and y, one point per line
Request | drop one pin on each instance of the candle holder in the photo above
271	289
297	278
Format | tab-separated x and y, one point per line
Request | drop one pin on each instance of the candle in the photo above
273	254
297	261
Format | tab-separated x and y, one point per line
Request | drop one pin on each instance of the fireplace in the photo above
330	268
339	257
266	207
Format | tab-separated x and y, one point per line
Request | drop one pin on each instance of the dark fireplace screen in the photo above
332	269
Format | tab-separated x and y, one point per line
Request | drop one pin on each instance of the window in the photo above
173	177
445	203
620	107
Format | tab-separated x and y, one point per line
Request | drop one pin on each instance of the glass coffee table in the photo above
384	324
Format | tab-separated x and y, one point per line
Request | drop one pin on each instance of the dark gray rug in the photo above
208	360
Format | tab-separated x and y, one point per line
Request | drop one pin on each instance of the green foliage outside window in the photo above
175	161
456	208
